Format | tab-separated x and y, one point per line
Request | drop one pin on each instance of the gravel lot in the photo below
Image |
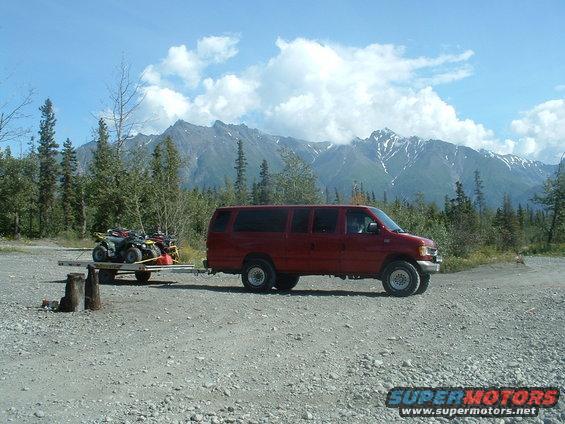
204	350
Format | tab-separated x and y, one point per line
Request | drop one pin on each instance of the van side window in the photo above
325	220
221	222
261	220
358	222
300	221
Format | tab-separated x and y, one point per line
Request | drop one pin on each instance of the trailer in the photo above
107	271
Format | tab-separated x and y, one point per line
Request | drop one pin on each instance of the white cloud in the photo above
217	49
318	91
542	131
188	65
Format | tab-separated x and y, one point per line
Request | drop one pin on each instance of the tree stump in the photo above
92	300
73	301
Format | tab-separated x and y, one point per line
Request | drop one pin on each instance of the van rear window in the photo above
325	220
300	220
221	222
261	220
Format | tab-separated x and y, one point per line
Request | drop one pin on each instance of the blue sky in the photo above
481	73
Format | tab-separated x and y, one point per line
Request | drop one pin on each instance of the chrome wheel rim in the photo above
256	276
399	279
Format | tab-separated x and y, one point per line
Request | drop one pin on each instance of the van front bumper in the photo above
428	267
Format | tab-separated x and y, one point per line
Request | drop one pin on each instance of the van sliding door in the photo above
325	241
298	242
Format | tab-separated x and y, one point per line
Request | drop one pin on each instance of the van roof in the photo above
291	206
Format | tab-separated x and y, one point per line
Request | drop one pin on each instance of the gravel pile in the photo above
201	349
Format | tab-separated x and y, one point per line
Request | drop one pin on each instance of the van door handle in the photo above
312	246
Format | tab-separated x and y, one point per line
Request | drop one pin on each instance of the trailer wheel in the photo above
258	275
107	276
424	283
142	276
285	282
401	279
100	254
133	254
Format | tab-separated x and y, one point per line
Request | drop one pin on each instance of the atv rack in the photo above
109	270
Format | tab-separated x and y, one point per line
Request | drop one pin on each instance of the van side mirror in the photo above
373	228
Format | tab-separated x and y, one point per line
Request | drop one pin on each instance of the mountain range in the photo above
385	161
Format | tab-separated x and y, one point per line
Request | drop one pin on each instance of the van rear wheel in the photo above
258	275
401	279
285	282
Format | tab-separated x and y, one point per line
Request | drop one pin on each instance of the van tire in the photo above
285	282
424	283
401	279
258	275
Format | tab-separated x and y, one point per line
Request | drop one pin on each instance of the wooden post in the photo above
92	300
73	301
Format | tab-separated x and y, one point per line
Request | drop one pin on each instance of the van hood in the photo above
417	240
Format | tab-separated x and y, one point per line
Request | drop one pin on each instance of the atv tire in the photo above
133	255
100	254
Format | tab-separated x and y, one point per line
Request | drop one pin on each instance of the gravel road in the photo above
201	349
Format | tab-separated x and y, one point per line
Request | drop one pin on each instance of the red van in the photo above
272	246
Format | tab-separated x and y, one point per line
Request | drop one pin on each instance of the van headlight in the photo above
427	251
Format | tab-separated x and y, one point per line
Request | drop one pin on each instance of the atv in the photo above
121	245
166	244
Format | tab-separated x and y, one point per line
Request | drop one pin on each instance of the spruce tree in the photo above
240	179
506	225
337	197
463	219
255	193
48	169
103	181
479	193
68	184
553	202
172	166
265	184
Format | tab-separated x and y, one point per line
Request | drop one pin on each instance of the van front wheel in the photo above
258	275
401	279
285	282
424	283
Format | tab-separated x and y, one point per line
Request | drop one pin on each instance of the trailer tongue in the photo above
109	270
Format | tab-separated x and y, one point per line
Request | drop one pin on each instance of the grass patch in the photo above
190	255
12	249
543	249
483	256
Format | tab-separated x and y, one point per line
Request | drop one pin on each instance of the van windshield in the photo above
387	221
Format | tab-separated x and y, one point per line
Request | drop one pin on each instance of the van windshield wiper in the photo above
398	230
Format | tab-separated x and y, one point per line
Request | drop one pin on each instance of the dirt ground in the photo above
201	349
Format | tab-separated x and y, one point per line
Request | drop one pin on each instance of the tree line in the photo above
48	193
